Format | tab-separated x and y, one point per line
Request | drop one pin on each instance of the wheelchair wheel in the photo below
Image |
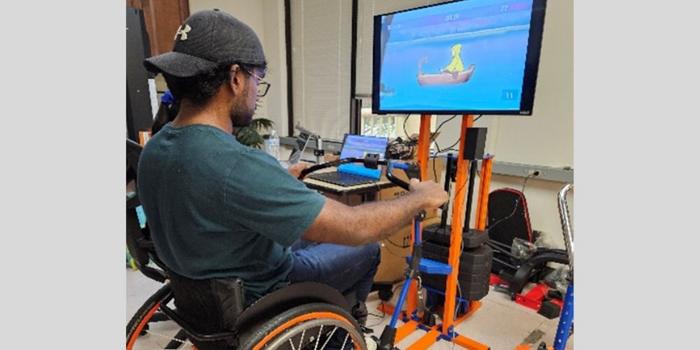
309	326
141	335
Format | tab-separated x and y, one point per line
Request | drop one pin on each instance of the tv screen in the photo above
463	57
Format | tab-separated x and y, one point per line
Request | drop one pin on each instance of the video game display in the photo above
476	56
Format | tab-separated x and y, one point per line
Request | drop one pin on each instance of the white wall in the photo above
266	18
321	32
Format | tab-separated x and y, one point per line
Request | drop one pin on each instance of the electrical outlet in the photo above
533	173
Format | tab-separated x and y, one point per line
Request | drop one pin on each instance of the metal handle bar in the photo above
566	223
389	170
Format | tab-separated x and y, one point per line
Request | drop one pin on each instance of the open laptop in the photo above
356	146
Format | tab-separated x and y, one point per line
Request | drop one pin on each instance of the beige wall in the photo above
321	32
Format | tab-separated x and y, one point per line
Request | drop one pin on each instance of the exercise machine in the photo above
410	308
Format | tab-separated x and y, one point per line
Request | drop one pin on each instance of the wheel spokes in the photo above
318	338
345	341
330	336
301	341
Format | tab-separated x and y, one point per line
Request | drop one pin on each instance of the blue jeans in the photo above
350	270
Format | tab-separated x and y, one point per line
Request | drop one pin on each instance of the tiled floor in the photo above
499	323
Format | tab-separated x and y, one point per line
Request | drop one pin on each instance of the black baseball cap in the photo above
206	40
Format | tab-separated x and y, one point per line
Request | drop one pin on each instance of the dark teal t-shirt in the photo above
217	208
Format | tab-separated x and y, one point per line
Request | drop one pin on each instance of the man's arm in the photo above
371	222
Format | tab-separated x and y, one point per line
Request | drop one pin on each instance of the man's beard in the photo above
241	117
241	114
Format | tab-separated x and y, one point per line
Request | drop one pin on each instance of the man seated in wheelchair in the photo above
219	210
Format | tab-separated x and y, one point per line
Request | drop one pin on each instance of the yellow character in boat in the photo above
455	65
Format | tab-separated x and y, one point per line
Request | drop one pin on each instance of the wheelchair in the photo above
306	315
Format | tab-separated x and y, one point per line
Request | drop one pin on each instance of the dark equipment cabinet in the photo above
139	116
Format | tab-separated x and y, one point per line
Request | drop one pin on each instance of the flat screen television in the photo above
460	57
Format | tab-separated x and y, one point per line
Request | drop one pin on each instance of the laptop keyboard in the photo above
342	179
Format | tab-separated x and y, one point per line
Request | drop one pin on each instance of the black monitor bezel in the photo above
532	62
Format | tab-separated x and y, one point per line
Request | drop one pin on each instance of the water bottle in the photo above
272	145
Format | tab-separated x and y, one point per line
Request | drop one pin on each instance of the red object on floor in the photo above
558	302
495	280
533	298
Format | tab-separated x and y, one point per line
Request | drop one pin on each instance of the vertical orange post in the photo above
456	232
422	155
482	208
424	145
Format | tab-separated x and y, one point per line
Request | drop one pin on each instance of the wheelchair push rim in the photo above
300	324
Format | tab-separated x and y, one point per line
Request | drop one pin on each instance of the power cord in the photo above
525	183
380	317
515	208
451	147
435	158
529	175
402	246
405	119
441	124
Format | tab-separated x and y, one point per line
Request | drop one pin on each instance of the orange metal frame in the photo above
423	154
482	207
433	333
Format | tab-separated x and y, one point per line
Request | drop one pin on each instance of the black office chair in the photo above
299	316
508	219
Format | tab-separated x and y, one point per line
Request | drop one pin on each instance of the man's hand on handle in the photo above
296	169
432	193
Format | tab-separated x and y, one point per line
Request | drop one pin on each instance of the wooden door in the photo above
162	18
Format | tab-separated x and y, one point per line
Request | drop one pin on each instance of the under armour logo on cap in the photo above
182	32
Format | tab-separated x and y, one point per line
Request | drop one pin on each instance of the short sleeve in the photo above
262	196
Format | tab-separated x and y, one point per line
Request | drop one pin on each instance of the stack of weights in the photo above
474	264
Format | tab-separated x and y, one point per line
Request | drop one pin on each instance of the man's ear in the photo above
236	80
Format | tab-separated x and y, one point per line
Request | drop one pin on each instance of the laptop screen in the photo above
358	146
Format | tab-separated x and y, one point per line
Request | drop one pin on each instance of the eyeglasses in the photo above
263	86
